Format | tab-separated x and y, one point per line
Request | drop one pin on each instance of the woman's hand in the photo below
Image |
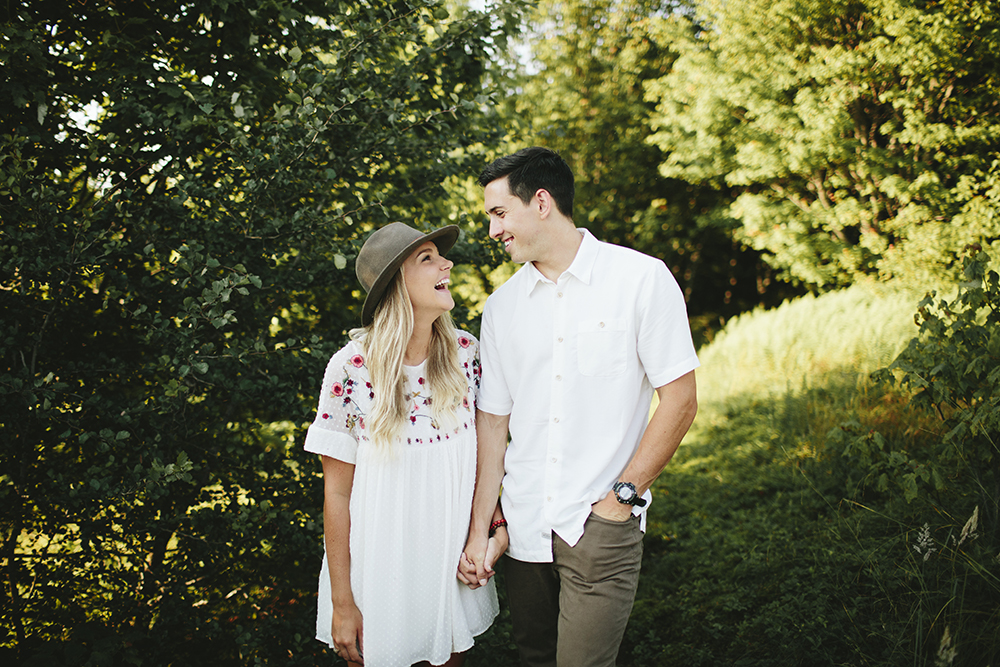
348	632
495	547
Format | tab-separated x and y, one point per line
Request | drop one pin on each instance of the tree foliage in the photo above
183	186
861	136
586	101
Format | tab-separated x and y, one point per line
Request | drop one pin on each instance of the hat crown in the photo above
381	248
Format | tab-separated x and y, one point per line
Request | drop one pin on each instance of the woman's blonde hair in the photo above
384	344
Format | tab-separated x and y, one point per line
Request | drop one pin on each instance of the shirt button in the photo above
559	339
554	459
601	325
555	419
559	295
549	499
559	377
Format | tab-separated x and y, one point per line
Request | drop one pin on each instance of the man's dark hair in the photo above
531	169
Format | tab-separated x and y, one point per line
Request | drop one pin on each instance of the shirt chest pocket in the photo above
602	347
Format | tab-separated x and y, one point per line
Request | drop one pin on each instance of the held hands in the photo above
348	633
475	567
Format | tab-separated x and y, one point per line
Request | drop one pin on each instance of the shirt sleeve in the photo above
333	431
665	346
494	394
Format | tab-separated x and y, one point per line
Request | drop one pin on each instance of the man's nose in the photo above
495	229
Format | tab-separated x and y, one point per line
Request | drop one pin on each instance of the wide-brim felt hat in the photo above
385	251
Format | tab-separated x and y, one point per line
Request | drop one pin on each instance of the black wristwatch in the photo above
626	494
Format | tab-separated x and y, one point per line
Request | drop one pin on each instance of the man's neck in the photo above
564	244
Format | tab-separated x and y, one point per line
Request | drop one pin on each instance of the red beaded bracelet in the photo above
496	524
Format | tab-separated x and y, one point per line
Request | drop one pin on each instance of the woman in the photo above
396	431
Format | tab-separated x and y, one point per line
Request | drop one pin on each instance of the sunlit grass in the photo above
842	335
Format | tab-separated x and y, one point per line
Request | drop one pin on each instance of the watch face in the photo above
625	492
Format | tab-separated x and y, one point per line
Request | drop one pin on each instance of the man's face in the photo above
512	222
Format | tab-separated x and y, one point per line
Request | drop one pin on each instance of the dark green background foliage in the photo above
176	271
183	190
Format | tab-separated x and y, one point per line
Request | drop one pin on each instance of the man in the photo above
572	348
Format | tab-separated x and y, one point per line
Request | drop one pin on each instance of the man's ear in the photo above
543	200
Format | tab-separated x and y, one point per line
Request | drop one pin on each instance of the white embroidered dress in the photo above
409	516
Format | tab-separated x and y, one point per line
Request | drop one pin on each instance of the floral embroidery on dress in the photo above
345	391
350	392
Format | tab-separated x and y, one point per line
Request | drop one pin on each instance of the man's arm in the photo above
491	434
670	422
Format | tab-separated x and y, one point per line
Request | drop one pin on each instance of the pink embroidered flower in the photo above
338	389
358	361
465	402
464	342
413	419
420	380
326	416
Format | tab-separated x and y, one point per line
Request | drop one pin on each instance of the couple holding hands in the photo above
413	424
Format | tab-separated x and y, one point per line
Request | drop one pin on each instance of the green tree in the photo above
183	187
860	136
586	101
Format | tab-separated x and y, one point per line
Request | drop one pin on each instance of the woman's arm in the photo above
347	629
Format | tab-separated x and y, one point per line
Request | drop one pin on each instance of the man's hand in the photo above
469	573
609	508
472	569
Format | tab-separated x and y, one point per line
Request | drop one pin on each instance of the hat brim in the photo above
444	238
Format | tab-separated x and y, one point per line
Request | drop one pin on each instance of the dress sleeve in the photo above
334	431
468	350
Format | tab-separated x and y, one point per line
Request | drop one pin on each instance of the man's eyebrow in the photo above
495	208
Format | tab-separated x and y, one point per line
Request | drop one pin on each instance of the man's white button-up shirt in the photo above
574	364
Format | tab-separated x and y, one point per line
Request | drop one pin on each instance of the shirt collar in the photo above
581	268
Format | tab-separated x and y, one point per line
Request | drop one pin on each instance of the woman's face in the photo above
427	275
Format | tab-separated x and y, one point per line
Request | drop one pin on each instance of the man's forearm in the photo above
491	434
670	422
